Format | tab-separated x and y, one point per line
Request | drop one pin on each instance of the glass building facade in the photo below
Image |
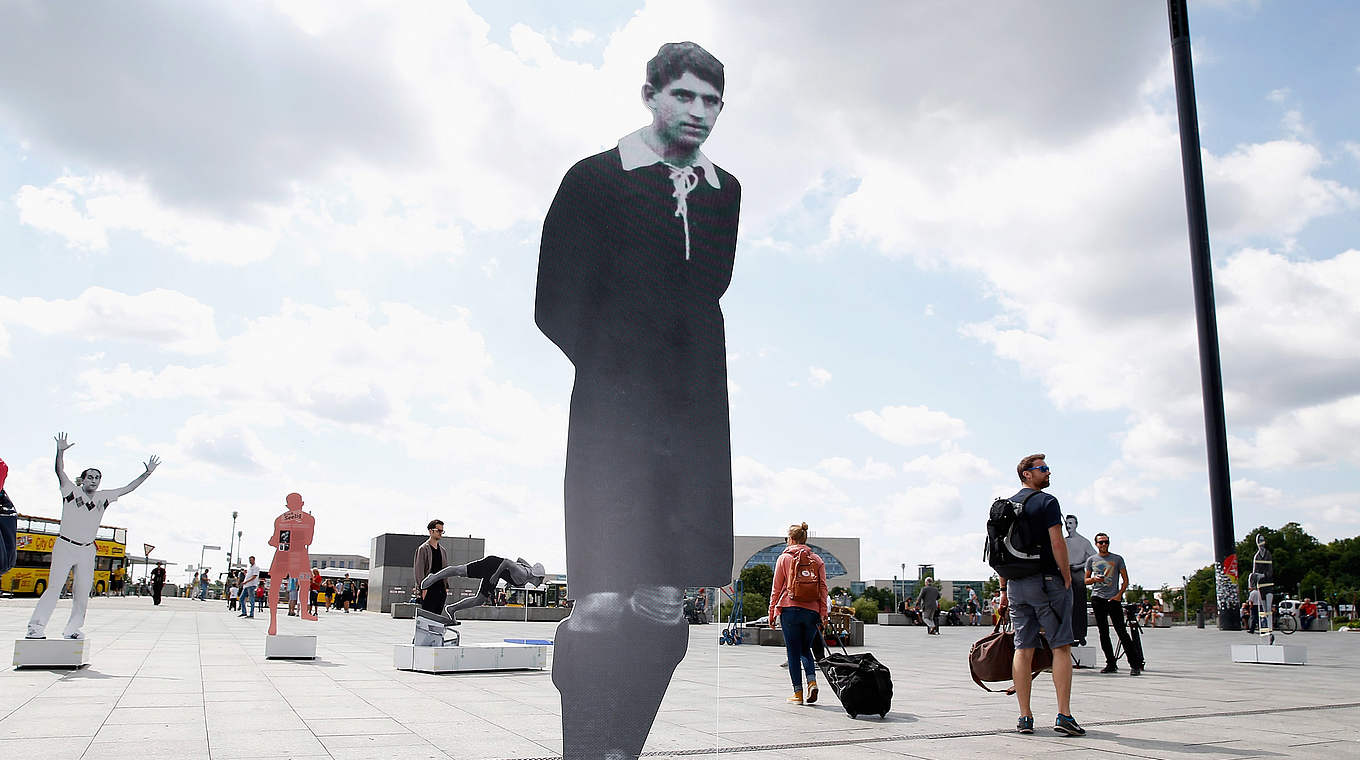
768	556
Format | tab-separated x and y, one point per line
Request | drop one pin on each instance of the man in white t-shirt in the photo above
82	507
248	588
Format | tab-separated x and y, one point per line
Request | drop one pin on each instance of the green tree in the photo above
1200	589
990	587
866	609
758	579
883	597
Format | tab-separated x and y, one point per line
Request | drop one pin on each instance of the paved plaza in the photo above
188	680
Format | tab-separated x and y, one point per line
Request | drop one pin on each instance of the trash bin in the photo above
1199	619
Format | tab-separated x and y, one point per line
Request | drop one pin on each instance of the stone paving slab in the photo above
189	680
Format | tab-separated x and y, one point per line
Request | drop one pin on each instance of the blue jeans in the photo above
800	628
248	593
202	592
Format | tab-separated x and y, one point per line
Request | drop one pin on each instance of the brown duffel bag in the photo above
991	657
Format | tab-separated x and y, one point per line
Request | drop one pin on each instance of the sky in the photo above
291	246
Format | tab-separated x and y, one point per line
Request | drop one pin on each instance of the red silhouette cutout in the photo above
292	535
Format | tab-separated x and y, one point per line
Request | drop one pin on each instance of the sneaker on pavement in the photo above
1135	671
1025	725
1066	724
812	692
1109	668
796	699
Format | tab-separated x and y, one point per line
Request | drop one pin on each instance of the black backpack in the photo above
1010	549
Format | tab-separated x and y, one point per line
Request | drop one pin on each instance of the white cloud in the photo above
840	467
361	368
760	487
952	465
818	377
164	318
911	425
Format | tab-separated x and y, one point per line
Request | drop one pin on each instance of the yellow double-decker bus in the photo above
35	536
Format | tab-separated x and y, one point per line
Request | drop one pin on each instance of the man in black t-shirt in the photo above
1043	600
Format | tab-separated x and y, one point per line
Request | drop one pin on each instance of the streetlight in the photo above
1185	598
231	547
894	609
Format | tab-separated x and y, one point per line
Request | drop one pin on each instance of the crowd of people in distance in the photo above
246	590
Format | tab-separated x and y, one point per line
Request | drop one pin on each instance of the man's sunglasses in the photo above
1106	541
1040	468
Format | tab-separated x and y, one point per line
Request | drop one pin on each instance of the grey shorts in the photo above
1040	601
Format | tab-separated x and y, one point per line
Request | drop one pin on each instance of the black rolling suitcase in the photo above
860	681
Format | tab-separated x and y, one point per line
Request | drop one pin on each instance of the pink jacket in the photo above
781	594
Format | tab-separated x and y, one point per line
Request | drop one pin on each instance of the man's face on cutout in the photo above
91	481
1071	524
684	111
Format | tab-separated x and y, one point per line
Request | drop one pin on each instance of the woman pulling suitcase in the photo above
798	605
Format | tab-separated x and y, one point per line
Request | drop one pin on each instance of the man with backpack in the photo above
1036	584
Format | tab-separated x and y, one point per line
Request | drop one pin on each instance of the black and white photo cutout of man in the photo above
637	249
82	507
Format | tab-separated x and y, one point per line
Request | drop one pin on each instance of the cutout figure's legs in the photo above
81	583
613	659
518	573
273	601
64	557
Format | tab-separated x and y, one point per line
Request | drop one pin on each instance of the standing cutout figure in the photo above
1263	566
292	535
637	249
82	507
1079	549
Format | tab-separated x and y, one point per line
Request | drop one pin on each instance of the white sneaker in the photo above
78	636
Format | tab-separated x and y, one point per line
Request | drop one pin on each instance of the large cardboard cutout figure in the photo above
637	250
1079	549
82	507
293	531
9	525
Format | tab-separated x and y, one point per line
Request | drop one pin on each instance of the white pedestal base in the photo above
51	653
290	647
1277	654
470	657
1085	657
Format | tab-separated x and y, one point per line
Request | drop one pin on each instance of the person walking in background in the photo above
361	603
292	596
248	587
928	602
312	590
157	583
798	601
233	592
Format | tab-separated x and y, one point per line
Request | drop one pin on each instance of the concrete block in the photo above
1085	657
1163	621
290	647
52	653
893	618
470	657
1276	654
404	610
